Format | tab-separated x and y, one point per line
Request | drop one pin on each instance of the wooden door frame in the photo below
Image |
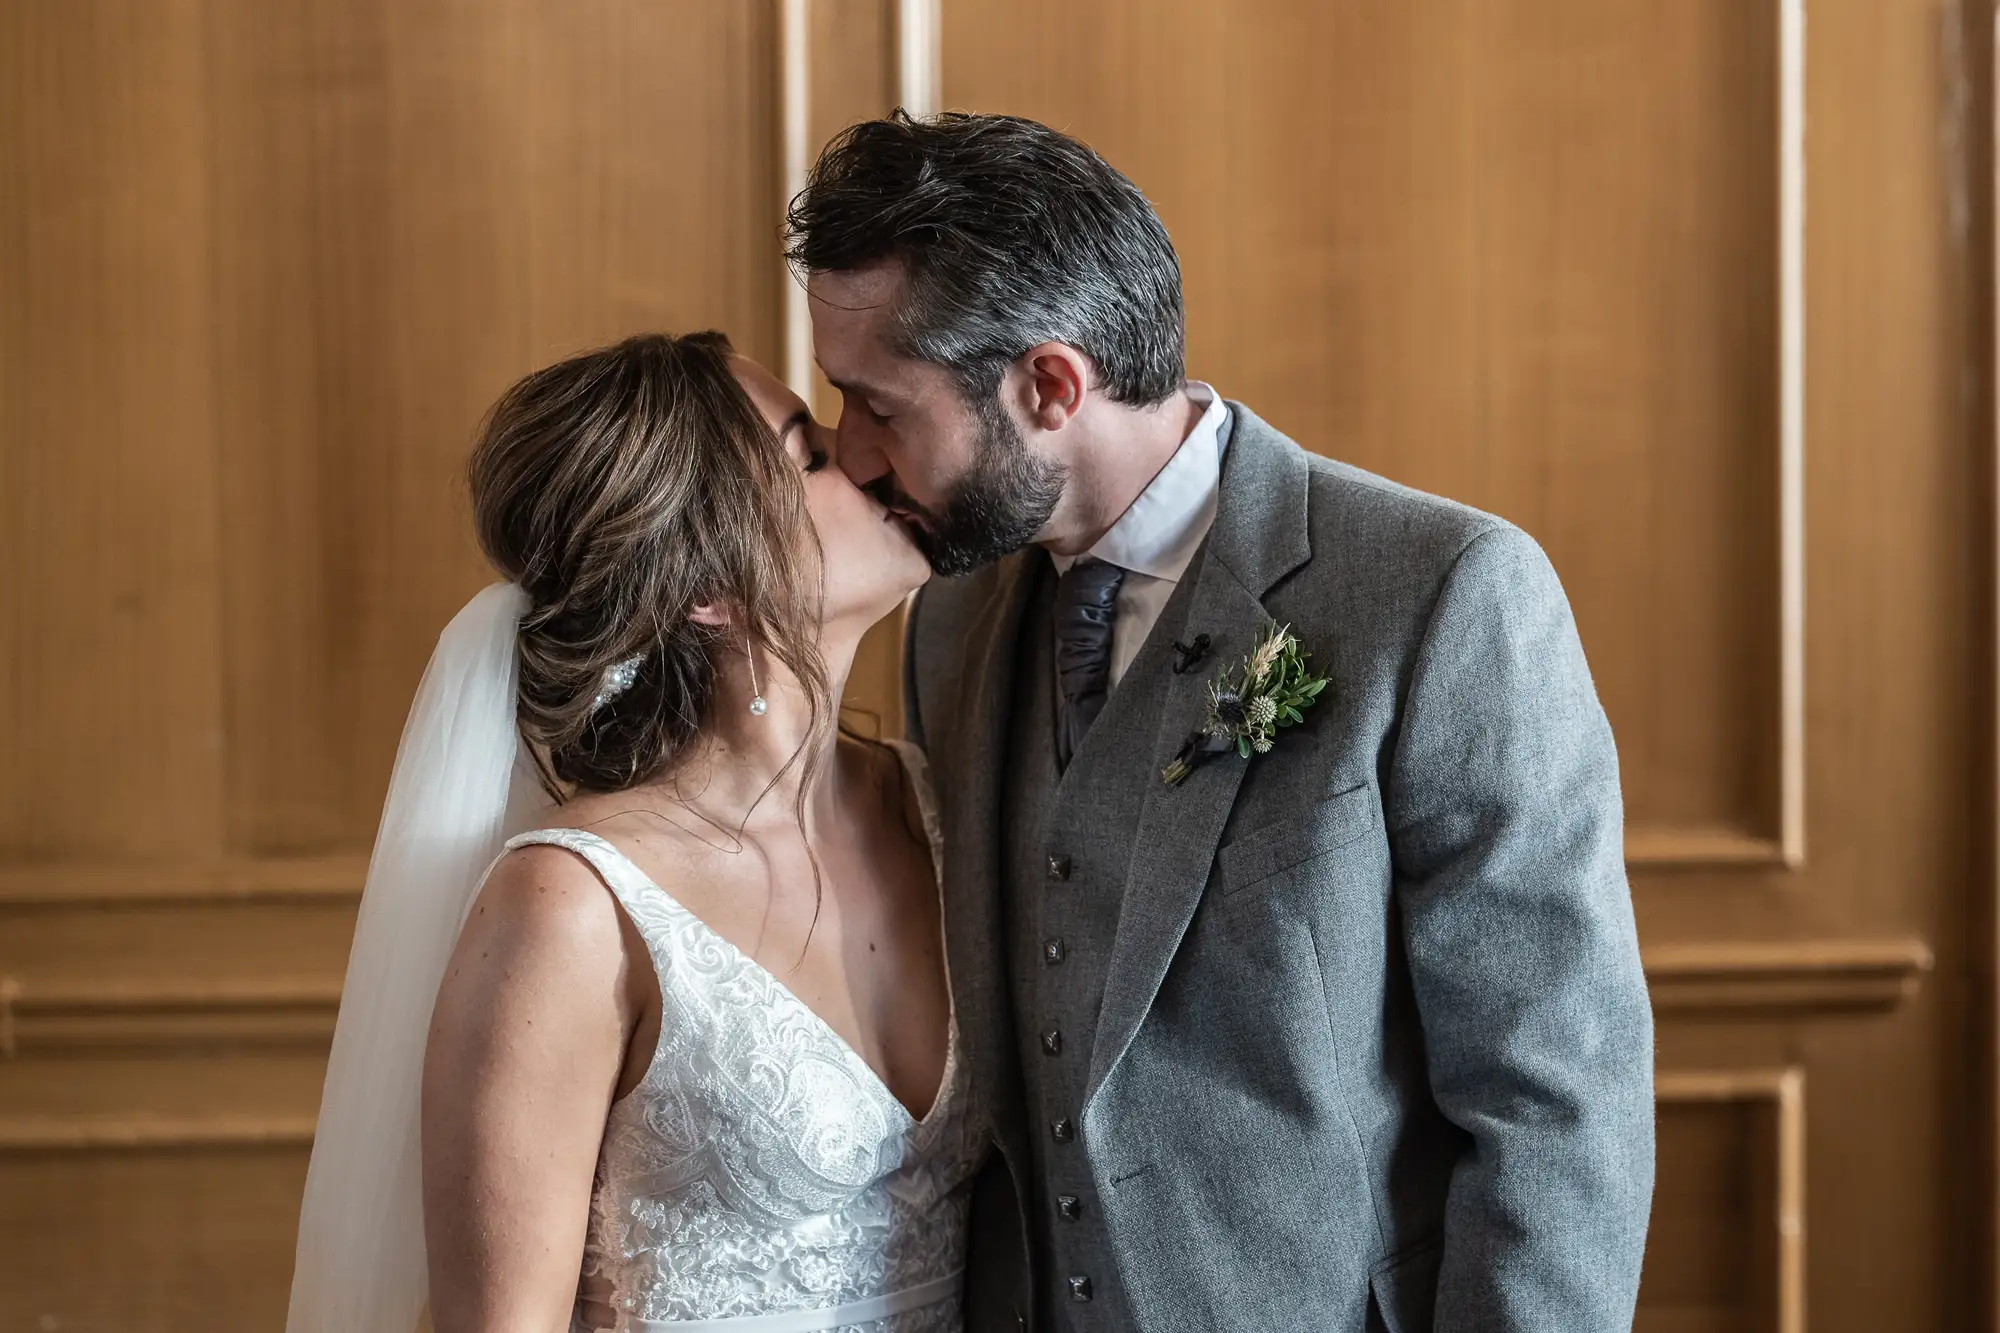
1974	104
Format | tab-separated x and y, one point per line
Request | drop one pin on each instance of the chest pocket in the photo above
1257	856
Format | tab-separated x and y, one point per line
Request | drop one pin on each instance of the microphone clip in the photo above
1190	653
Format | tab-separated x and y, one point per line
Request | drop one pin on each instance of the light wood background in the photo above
262	265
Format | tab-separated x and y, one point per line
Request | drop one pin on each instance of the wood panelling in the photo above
176	1012
1802	975
150	1176
266	263
53	1135
112	705
280	879
160	1239
1727	1245
254	941
853	74
83	1013
418	204
1529	254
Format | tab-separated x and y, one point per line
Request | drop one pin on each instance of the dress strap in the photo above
626	881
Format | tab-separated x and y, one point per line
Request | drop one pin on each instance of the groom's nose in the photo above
861	448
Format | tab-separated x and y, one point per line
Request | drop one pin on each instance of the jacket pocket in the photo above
1275	848
1403	1291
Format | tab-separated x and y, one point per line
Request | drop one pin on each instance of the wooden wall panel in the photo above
202	1239
153	1186
1627	170
852	75
852	54
459	195
110	694
1727	1244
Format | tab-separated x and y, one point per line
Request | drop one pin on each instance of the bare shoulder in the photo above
542	949
545	899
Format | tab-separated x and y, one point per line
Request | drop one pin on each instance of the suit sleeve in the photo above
913	712
1506	825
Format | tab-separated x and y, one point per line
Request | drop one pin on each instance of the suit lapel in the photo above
972	857
1258	538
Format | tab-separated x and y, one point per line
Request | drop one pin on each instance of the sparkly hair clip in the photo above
618	678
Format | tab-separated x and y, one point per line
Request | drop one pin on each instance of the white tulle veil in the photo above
462	784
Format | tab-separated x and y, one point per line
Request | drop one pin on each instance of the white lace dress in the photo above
761	1178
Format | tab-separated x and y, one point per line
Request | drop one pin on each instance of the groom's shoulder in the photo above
1373	529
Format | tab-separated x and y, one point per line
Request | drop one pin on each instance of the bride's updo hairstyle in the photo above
622	489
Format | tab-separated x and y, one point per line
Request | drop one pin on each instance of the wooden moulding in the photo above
1805	975
145	1132
1699	849
299	880
1783	1090
36	1019
1719	976
1782	846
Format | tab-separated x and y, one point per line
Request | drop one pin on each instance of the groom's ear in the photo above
1058	377
709	613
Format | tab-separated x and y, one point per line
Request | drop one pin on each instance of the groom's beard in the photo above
998	507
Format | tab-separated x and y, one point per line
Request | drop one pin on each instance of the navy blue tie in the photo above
1086	610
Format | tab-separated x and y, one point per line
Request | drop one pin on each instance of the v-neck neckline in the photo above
788	995
826	1029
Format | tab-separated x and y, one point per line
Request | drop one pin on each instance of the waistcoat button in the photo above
1069	1207
1062	1131
1053	951
1079	1288
1058	865
1052	1042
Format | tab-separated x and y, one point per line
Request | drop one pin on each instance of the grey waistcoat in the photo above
1063	864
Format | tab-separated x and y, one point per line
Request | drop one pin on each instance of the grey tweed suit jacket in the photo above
1374	1050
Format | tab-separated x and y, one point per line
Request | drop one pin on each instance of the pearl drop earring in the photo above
757	705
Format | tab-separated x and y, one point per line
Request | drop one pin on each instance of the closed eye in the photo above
801	421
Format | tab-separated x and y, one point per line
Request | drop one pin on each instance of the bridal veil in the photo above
462	783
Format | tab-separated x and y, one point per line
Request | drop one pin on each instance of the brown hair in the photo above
620	489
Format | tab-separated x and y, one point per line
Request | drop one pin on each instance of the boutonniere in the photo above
1248	704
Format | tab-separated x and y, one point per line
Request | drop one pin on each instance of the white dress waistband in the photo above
811	1321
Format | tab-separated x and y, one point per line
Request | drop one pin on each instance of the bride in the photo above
681	1058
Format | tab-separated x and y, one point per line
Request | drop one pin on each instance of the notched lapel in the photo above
1179	827
1259	537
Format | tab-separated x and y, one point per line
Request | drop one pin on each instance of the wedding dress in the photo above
761	1178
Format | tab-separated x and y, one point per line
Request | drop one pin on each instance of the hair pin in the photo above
618	678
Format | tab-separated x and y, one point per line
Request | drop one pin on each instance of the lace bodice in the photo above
761	1168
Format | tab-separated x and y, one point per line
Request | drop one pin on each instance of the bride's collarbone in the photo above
850	928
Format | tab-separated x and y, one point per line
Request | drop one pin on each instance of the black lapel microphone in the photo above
1190	653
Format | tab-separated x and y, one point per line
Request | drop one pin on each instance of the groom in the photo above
1349	1034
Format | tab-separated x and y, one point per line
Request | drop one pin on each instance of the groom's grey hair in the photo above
1010	234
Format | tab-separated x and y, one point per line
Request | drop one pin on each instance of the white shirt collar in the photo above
1159	534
